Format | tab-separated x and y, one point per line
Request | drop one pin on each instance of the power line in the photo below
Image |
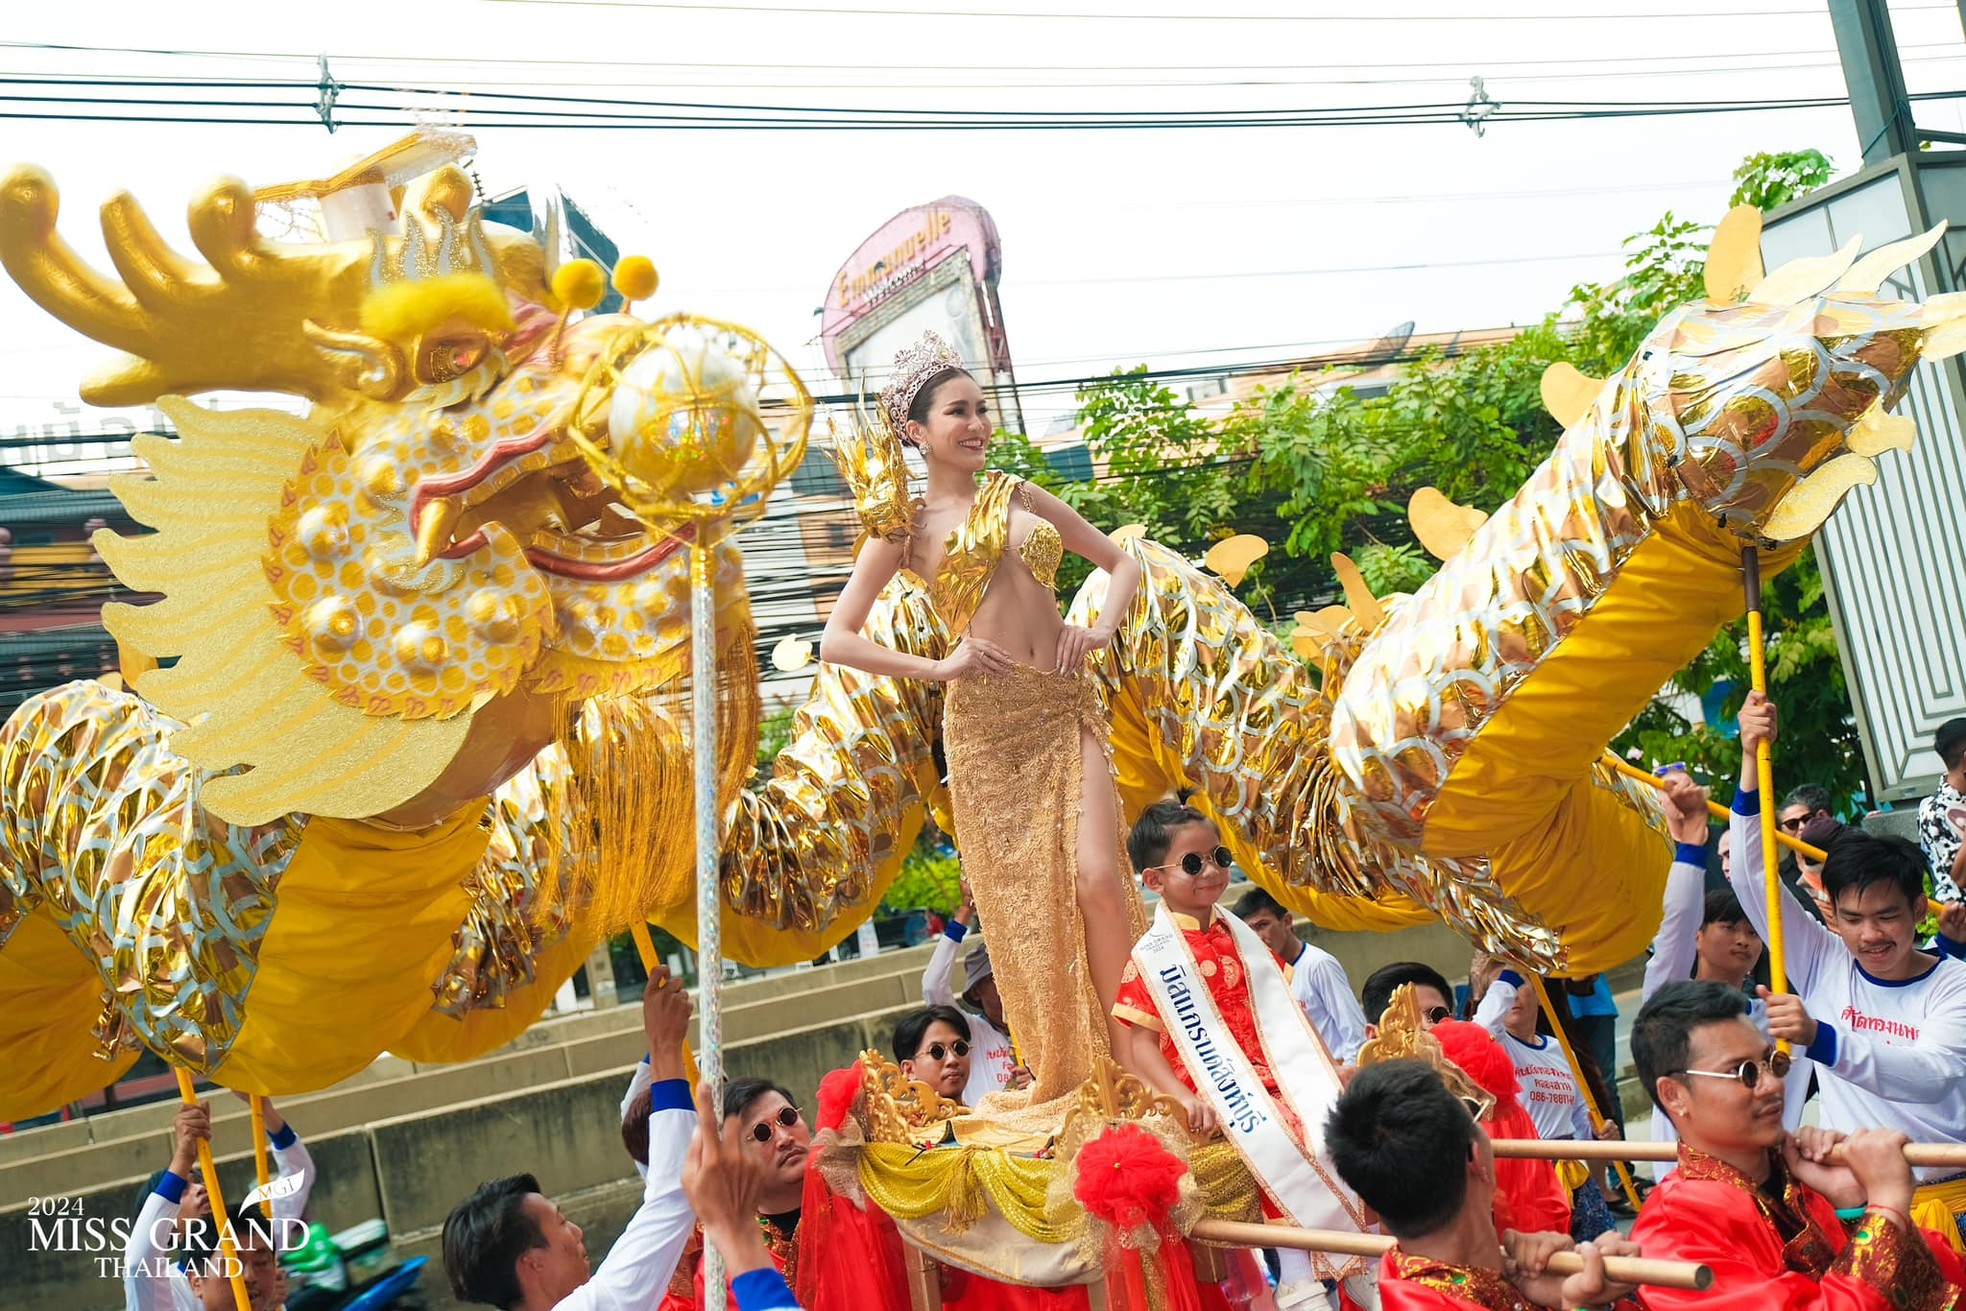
998	15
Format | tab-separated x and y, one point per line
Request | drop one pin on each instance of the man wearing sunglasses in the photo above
1884	1021
932	1045
1762	1207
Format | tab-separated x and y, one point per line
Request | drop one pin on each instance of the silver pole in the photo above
709	848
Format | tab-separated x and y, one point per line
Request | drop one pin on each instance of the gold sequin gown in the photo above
1013	742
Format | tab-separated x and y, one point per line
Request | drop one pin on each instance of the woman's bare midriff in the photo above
1020	615
1017	612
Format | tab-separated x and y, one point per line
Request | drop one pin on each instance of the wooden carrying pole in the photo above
235	1271
1583	1086
1684	1275
1815	855
262	1170
1950	1155
1764	765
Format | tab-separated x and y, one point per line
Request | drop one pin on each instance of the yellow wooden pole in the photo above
645	948
261	1166
1816	854
235	1271
1583	1085
1764	767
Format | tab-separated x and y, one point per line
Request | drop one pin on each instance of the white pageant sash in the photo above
1304	1187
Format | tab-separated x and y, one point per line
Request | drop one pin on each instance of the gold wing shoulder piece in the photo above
871	460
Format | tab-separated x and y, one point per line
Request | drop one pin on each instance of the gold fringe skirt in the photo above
1013	742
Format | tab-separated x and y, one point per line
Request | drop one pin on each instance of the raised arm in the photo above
636	1273
152	1241
294	1161
1673	947
939	979
1808	945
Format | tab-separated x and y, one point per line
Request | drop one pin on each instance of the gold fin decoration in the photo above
1568	394
244	697
1364	606
1880	431
1944	322
791	654
1799	279
1232	556
1442	526
1128	532
1734	257
1868	273
1313	631
1813	499
1401	1036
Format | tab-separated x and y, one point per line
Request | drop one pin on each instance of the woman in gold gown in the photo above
1030	778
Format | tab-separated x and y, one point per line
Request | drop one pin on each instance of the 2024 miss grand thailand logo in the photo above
62	1224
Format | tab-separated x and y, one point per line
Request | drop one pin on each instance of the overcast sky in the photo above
1169	247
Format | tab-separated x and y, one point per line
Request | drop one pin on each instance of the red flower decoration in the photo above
1127	1178
836	1093
1480	1057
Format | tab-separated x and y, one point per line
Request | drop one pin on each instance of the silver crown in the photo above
913	367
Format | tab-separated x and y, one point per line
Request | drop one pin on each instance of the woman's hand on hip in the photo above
974	655
1076	643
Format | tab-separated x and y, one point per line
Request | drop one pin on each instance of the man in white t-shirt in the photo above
993	1063
1884	1022
1509	1010
1317	980
509	1246
1707	936
174	1202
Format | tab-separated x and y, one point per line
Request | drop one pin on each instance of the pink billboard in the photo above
944	252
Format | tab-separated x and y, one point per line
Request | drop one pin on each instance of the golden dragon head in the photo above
348	594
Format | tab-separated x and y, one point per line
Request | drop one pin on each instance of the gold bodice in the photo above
973	550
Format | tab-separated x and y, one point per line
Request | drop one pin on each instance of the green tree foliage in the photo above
930	877
1770	181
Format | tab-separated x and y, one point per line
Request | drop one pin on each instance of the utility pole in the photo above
1876	80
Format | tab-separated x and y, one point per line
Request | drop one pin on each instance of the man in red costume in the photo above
1767	1210
1412	1151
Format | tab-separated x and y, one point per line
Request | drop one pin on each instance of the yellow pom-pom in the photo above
579	284
403	311
635	277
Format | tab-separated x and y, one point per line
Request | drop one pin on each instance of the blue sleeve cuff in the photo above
955	930
171	1187
1747	802
1690	853
284	1139
671	1095
1947	947
761	1290
1823	1050
1511	978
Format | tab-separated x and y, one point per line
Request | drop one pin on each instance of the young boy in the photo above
1210	1020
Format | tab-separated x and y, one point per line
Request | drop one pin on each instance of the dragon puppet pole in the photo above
1764	769
645	948
1583	1088
709	845
261	1170
235	1270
